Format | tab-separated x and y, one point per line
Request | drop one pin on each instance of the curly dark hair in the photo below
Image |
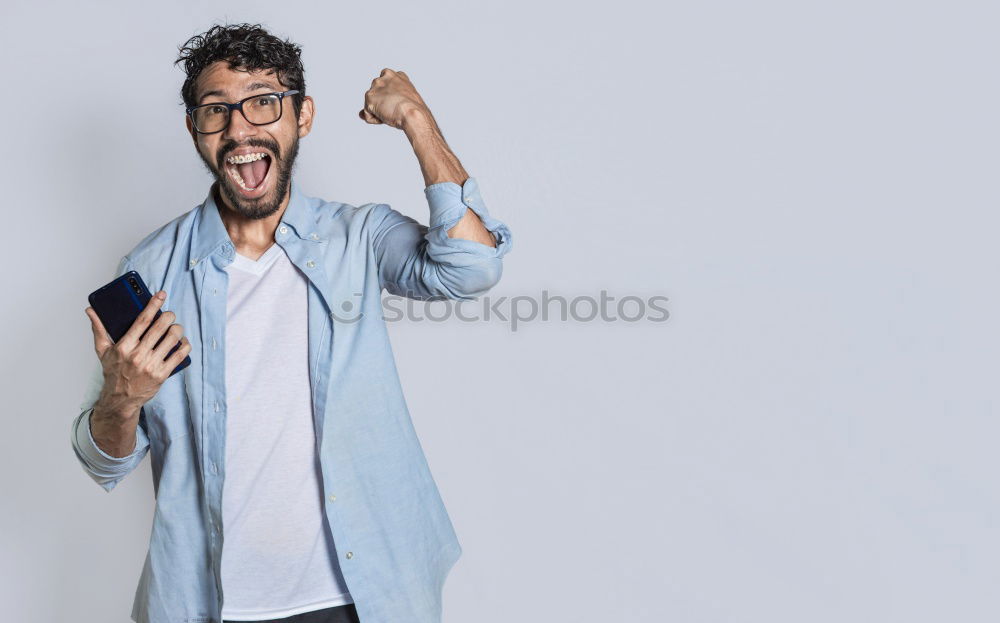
246	47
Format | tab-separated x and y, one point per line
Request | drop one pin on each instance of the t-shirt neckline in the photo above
259	265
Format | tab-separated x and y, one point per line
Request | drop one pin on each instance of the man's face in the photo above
254	189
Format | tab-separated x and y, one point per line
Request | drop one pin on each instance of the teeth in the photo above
242	158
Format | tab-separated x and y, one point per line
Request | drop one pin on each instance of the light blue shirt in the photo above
394	538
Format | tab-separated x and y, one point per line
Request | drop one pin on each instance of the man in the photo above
329	511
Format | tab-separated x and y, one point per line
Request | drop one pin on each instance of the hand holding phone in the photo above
136	360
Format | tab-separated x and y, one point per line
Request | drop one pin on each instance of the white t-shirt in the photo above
278	556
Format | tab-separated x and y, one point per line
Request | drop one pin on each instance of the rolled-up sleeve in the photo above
106	470
423	262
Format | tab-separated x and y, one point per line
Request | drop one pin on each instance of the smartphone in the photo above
119	303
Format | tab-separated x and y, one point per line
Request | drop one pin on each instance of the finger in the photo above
102	341
154	335
131	337
175	359
172	335
368	117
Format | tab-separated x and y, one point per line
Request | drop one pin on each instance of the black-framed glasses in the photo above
263	108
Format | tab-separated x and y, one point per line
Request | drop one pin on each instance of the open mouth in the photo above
251	172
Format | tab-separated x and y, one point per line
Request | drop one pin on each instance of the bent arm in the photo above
439	164
124	441
424	262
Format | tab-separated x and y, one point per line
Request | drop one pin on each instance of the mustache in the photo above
228	148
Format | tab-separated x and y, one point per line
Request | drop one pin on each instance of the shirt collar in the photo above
210	232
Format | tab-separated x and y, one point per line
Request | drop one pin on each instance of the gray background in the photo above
810	437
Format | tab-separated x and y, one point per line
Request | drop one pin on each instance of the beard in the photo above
268	203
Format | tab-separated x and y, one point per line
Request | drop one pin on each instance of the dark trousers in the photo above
337	614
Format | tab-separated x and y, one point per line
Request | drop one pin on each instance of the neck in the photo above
251	237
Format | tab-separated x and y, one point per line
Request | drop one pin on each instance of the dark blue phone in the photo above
119	303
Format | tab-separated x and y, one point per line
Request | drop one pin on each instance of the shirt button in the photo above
216	406
215	468
193	262
213	343
333	498
314	237
468	200
283	229
311	264
349	555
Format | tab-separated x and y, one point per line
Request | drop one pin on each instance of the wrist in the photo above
114	435
418	120
120	410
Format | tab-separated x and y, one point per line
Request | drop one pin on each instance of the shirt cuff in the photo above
448	202
99	458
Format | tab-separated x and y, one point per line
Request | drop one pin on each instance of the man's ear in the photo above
306	115
190	129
